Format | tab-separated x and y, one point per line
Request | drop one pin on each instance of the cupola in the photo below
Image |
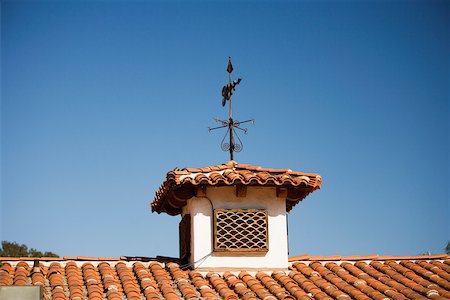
233	215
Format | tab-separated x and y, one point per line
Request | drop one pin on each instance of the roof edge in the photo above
307	257
64	258
299	184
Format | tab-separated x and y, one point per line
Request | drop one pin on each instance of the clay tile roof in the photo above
186	180
309	277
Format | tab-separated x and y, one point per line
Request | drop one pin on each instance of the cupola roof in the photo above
182	184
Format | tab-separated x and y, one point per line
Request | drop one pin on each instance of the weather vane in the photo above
233	145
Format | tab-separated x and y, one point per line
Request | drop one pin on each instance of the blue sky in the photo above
101	99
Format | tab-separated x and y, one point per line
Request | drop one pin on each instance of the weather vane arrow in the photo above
234	145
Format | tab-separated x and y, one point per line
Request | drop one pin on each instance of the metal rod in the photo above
231	138
243	129
231	115
247	121
214	128
229	77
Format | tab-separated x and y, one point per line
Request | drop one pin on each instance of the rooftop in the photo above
309	277
182	184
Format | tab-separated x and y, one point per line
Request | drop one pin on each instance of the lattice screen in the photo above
240	230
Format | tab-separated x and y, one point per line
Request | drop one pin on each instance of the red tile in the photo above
313	278
233	174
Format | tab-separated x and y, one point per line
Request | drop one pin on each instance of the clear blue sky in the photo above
101	99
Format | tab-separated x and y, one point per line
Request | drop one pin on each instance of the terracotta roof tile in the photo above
111	282
360	284
129	282
421	277
300	257
291	285
373	282
229	174
272	286
55	277
202	285
6	274
428	280
388	270
441	266
317	279
21	274
146	281
338	282
393	283
239	286
256	286
74	280
221	286
438	271
164	281
308	286
183	282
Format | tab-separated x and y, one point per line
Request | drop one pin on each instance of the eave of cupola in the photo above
183	184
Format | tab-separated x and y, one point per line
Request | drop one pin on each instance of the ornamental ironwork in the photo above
234	143
241	230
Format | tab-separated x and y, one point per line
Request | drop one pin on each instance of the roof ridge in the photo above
307	257
235	165
302	257
64	258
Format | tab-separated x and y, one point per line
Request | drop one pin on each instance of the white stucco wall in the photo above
225	198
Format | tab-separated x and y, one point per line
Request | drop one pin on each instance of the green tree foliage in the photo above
13	249
447	249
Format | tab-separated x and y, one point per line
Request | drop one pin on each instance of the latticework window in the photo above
240	230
